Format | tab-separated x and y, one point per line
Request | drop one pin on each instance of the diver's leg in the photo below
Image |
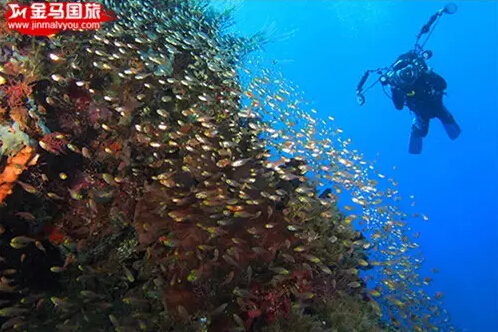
450	126
420	128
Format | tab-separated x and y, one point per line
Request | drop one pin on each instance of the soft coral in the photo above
15	166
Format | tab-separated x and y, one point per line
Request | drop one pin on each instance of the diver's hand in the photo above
436	94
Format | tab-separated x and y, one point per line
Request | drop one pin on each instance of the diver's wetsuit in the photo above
425	100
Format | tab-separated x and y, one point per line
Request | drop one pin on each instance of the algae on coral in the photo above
13	139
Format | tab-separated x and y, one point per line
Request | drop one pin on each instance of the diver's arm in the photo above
398	98
437	81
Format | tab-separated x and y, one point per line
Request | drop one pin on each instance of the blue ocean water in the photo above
327	47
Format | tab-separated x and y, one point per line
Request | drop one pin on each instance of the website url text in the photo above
54	25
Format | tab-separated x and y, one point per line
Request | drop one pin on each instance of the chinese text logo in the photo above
45	19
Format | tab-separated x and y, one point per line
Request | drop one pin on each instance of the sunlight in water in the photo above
355	17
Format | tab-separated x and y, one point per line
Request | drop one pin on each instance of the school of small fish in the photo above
174	192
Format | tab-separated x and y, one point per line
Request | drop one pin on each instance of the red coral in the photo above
54	234
17	92
55	143
275	301
275	304
270	303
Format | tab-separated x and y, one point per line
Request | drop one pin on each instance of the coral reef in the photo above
15	166
13	139
163	195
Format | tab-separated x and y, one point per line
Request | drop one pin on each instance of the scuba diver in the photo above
415	85
423	94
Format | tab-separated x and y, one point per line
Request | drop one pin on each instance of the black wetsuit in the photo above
425	100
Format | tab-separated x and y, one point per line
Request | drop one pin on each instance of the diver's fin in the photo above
452	129
415	146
